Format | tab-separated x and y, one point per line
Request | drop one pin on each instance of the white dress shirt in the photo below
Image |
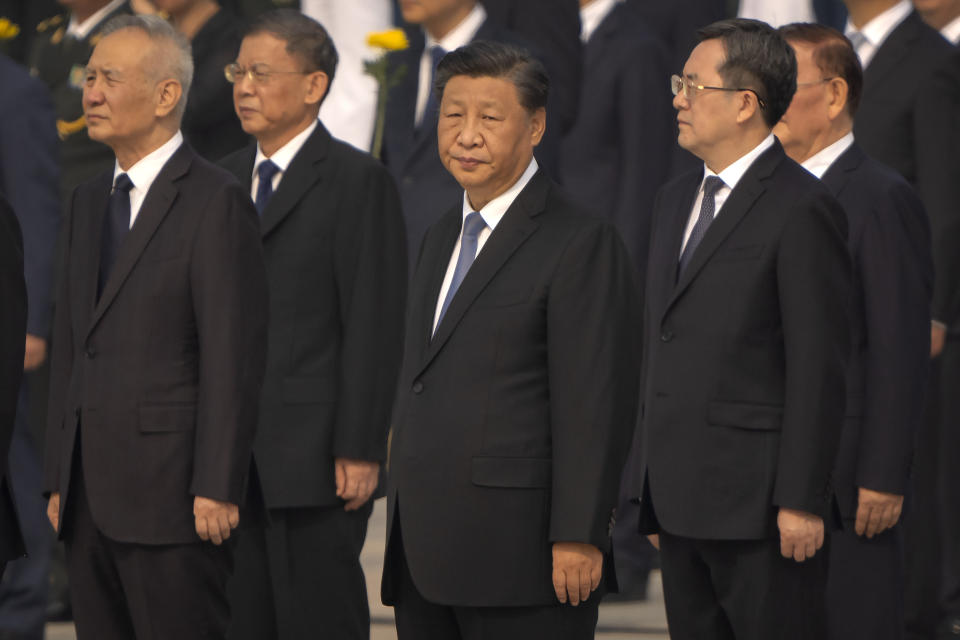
492	213
818	163
877	30
730	176
459	36
778	12
145	171
349	110
951	31
282	158
81	30
593	14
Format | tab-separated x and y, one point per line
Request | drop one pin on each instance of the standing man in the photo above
889	242
13	325
745	349
160	342
336	266
942	15
517	392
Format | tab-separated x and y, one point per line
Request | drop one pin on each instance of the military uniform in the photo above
59	60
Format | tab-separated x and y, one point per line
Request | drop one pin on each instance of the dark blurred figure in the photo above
25	15
209	124
13	323
612	159
942	15
29	176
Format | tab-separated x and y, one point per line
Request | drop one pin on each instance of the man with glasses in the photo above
745	347
889	241
334	244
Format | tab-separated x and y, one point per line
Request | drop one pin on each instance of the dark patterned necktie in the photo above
429	119
707	207
265	173
116	226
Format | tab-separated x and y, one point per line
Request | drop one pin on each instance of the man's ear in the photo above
169	93
839	91
749	106
317	84
538	124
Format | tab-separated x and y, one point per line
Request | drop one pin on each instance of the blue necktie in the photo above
429	118
116	225
710	187
265	173
473	224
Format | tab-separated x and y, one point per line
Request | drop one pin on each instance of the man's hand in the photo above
654	539
577	568
938	337
53	511
34	353
877	511
801	534
356	481
214	519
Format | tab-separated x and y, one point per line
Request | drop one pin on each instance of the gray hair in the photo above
174	57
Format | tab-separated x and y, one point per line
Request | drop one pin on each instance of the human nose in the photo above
469	135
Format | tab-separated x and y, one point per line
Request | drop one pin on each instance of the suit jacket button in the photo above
417	387
91	353
666	336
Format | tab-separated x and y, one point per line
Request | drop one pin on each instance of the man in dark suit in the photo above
160	344
889	242
517	392
336	265
29	175
13	324
410	136
745	348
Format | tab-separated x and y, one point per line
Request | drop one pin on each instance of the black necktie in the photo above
265	172
116	225
429	118
711	185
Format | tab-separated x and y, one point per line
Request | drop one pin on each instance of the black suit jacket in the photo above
512	423
744	356
889	242
13	326
894	125
612	160
336	261
410	153
159	379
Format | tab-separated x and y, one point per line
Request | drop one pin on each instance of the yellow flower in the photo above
8	30
391	40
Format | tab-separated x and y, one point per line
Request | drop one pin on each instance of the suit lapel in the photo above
518	223
154	209
440	250
838	174
302	174
738	203
891	52
98	211
668	251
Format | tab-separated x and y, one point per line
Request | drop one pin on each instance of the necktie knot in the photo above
266	170
857	39
711	185
473	224
122	183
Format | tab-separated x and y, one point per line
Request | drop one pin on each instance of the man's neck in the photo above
131	152
722	158
863	11
441	25
942	16
191	19
269	145
83	10
821	142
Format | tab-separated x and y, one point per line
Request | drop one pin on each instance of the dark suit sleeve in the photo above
13	316
371	273
229	288
895	272
813	278
28	159
593	363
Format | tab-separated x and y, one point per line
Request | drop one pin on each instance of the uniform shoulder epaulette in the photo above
49	23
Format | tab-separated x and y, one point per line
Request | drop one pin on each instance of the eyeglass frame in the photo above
234	72
684	84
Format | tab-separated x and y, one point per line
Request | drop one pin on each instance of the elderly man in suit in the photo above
335	251
517	390
889	242
745	347
160	343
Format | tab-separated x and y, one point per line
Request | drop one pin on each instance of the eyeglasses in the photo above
256	73
815	82
681	85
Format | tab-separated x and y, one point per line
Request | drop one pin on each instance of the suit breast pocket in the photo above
745	415
739	253
504	298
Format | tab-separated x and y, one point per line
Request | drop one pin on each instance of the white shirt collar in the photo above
283	156
878	29
82	29
462	34
732	174
494	210
952	31
145	171
593	15
818	163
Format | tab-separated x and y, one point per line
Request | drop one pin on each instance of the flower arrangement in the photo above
8	30
386	41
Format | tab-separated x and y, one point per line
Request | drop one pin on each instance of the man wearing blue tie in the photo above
518	389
